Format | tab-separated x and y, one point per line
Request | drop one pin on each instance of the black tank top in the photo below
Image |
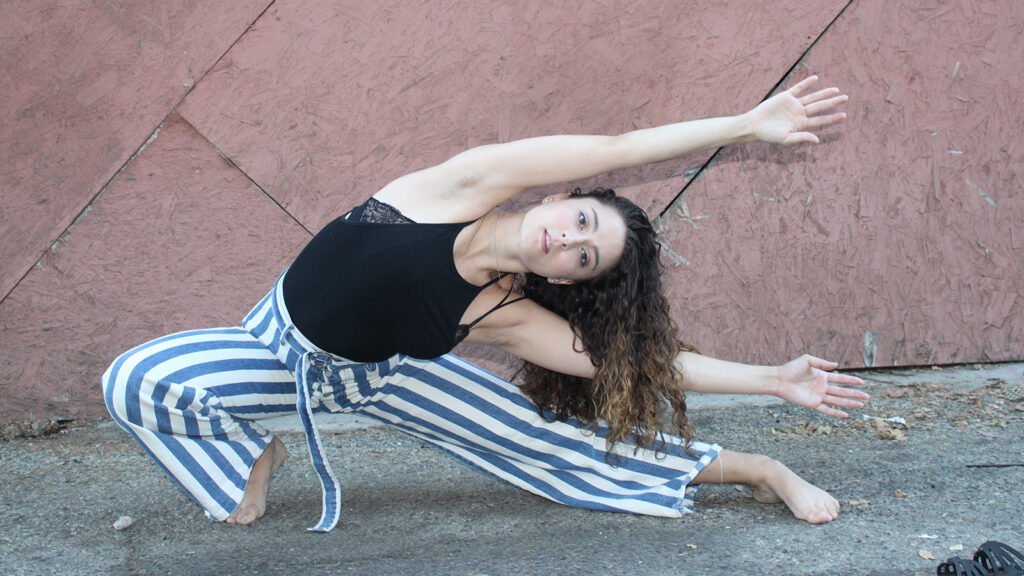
373	283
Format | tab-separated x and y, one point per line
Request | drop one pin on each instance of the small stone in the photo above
123	522
892	434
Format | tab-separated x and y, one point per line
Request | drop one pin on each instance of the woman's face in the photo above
571	239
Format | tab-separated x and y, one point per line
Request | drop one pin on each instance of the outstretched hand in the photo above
788	117
810	382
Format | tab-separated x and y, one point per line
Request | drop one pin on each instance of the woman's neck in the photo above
493	247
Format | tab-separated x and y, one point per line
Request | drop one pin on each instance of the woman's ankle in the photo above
764	470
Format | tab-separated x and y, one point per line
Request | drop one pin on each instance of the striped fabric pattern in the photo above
193	401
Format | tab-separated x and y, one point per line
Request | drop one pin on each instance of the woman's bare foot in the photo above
770	482
254	501
806	501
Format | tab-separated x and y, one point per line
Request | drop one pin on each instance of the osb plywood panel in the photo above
898	240
181	239
85	83
323	102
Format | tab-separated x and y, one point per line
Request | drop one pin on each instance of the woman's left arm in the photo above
529	331
486	176
806	381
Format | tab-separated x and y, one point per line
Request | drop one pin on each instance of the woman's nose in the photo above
570	239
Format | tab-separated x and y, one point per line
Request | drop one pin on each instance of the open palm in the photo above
808	381
788	117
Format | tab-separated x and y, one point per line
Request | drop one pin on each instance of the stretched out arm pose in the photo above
481	178
586	316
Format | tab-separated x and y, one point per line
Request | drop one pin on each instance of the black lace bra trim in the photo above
374	210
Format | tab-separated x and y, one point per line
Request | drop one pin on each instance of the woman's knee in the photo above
119	382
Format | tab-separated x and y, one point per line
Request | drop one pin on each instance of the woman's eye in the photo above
583	220
584	258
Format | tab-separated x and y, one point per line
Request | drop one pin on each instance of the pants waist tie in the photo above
311	369
307	373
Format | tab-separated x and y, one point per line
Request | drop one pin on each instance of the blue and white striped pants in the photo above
193	400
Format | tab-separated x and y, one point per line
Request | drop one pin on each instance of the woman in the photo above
363	319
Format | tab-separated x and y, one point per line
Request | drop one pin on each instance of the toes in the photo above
823	513
242	515
822	517
817	517
833	508
831	511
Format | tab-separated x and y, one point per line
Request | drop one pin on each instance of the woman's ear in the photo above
562	281
554	198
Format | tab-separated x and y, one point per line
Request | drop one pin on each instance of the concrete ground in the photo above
912	495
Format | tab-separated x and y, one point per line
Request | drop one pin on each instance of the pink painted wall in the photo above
904	229
901	224
85	85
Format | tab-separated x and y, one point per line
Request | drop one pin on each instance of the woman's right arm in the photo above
806	381
483	177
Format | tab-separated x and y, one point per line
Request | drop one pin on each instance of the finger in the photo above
822	121
832	411
800	137
844	402
819	95
847	393
844	379
802	85
821	363
821	106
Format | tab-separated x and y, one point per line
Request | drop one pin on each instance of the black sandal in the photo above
957	566
999	559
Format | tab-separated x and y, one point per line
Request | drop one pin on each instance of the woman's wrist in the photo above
773	375
745	129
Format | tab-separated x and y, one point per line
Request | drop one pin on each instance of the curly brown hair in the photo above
621	320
